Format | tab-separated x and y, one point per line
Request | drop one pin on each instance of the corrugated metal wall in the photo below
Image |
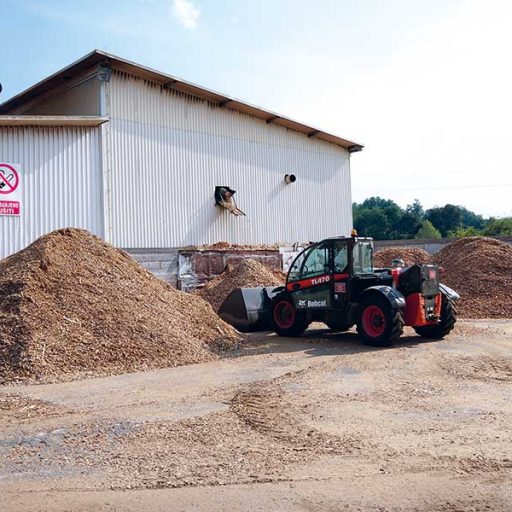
81	99
169	151
61	180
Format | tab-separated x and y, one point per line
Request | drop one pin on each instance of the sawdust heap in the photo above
72	305
246	274
480	270
412	255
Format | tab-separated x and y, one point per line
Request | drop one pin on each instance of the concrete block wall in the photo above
163	263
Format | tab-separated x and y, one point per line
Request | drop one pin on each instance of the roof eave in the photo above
13	121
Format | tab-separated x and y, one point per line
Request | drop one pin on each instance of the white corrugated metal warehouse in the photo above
134	155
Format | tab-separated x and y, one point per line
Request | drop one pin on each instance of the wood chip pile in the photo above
246	274
480	270
412	255
72	305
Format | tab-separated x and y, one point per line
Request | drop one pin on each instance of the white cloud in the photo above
186	13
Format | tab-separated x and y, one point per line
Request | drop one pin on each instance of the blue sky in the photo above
425	85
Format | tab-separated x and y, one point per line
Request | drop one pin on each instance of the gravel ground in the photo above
316	423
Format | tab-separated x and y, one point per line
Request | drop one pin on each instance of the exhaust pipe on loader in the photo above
248	309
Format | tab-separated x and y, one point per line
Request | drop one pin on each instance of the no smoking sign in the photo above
10	189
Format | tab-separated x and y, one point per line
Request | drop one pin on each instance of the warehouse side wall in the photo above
60	179
168	151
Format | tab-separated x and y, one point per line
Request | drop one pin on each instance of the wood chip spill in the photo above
72	306
246	274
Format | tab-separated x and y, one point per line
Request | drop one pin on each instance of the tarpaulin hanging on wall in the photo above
224	197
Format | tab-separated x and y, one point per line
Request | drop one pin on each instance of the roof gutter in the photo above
10	121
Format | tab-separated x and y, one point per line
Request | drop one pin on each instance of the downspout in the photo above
104	74
351	149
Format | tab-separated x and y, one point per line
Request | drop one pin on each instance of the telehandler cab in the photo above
334	281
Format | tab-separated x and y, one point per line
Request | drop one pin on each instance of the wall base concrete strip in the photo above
163	263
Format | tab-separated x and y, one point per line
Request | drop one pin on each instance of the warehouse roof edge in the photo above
52	120
97	57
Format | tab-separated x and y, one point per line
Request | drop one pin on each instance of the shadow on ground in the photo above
319	342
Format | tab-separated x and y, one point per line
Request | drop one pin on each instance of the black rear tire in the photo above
337	325
445	324
287	321
379	324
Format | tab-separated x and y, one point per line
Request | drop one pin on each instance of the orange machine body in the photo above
415	313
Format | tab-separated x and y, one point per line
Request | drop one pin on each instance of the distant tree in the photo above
498	227
383	219
378	202
372	222
427	230
392	211
415	209
471	219
445	218
464	232
377	216
407	226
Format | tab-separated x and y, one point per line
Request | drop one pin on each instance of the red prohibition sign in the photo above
9	179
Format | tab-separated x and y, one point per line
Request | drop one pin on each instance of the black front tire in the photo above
287	321
445	324
379	324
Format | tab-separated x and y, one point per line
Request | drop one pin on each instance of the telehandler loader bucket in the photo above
248	309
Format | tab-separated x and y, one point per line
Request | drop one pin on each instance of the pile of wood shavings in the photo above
246	274
480	270
71	306
412	255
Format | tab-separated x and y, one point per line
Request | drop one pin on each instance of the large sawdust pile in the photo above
72	305
246	274
412	255
480	270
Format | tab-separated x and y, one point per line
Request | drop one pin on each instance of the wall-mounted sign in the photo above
10	189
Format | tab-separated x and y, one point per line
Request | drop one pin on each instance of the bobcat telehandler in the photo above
334	282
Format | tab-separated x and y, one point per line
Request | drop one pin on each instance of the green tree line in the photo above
383	219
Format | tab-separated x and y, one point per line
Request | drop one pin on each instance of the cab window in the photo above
363	257
340	256
296	266
316	262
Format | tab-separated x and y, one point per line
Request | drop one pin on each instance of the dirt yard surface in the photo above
319	423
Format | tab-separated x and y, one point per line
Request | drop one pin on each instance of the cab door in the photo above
310	279
341	273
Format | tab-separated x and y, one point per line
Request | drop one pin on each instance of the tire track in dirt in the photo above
267	410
